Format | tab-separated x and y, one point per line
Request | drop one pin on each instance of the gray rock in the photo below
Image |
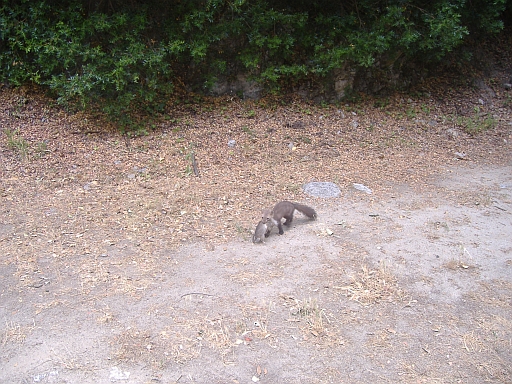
362	188
322	189
241	86
452	132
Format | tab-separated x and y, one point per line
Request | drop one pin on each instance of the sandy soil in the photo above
117	264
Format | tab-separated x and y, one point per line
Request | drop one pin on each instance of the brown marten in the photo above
285	209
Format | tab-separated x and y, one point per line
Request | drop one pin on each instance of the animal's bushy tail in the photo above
304	209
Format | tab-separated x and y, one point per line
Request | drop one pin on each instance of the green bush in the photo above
125	57
96	60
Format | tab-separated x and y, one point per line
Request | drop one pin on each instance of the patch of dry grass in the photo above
313	322
256	276
370	286
256	321
484	349
15	333
309	310
137	346
495	295
132	345
181	342
380	339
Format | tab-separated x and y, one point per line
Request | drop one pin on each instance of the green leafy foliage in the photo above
100	60
125	58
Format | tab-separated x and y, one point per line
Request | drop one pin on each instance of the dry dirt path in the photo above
118	265
409	287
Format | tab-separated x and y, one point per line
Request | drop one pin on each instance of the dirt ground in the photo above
119	264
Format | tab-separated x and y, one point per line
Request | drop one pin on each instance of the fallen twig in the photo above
194	164
195	293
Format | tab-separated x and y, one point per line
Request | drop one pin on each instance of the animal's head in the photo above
266	215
